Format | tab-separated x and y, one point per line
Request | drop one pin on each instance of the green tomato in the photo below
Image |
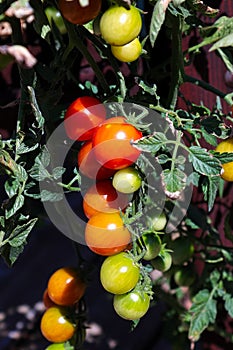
119	25
131	306
182	250
56	346
119	274
127	180
185	276
55	16
162	262
153	245
156	222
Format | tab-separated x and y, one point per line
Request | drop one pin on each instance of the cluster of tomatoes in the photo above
61	298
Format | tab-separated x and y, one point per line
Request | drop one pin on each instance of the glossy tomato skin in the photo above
119	273
152	244
65	286
227	168
112	145
129	52
88	165
132	305
162	262
55	16
103	197
56	346
82	117
77	14
56	326
46	300
105	234
119	25
127	180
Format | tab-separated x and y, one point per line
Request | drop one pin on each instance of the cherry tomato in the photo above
112	145
119	273
185	276
46	300
56	346
105	234
132	305
227	168
55	16
127	180
156	222
89	166
163	261
79	11
82	117
182	250
56	326
153	245
102	197
129	52
65	286
119	26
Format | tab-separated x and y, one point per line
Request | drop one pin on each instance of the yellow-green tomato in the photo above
162	262
127	180
56	346
129	52
131	306
156	222
152	244
55	16
119	26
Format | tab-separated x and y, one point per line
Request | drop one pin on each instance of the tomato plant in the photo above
56	326
227	168
119	26
112	145
103	197
66	286
132	305
54	16
119	273
83	116
127	180
105	233
79	12
129	52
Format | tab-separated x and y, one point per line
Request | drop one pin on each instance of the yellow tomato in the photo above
227	168
128	52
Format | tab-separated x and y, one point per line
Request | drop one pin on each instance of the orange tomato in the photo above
65	286
105	234
46	300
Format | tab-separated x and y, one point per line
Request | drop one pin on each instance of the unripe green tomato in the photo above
152	244
185	276
131	306
129	52
54	15
157	222
127	180
119	25
56	346
182	250
162	262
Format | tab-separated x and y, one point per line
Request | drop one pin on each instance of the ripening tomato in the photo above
227	168
127	180
46	299
105	234
155	221
55	16
89	166
119	26
56	326
132	305
65	286
102	197
79	11
129	52
112	145
82	117
119	273
56	346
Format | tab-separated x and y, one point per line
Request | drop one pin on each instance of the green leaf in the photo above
14	254
36	110
210	186
228	303
203	312
20	233
204	162
226	41
58	172
14	205
157	19
12	186
227	59
209	138
152	143
225	157
174	181
50	196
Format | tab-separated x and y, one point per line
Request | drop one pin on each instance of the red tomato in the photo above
112	147
89	166
82	117
77	14
105	234
102	197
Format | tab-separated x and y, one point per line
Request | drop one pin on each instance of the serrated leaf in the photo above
193	178
58	172
228	303
43	158
203	312
226	41
39	173
22	149
174	181
163	158
204	162
21	173
14	205
157	19
209	138
225	157
20	233
12	186
210	187
214	277
227	59
14	253
50	196
151	143
36	110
